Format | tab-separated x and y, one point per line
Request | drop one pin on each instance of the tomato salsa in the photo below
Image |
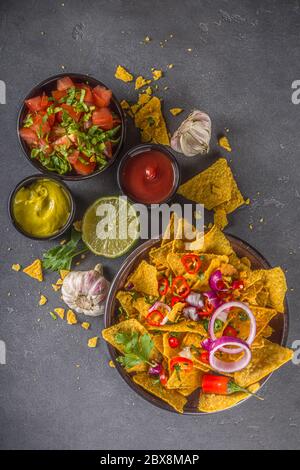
73	129
148	177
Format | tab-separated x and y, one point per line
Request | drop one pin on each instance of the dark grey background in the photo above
245	55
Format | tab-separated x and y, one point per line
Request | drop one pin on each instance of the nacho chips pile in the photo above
143	338
216	189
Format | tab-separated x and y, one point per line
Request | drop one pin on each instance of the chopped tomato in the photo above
82	168
38	103
88	97
71	111
173	342
45	146
230	331
103	118
73	157
57	131
28	135
64	140
182	362
204	357
58	94
41	124
102	96
64	83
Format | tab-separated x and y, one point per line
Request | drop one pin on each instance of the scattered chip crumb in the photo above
247	201
63	242
157	74
111	364
147	39
251	226
16	267
224	143
140	82
43	300
77	225
176	111
60	312
71	318
34	270
63	273
261	220
55	287
170	66
92	342
123	74
85	325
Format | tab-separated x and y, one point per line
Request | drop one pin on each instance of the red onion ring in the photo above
216	277
225	308
224	366
213	299
156	306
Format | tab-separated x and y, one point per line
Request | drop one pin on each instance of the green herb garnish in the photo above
137	348
61	256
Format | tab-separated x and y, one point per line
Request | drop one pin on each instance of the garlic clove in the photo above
193	135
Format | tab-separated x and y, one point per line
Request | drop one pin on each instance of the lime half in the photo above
110	226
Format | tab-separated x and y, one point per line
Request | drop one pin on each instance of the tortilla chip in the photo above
144	279
169	233
209	402
185	392
215	242
264	361
158	256
158	343
142	306
236	200
276	283
34	270
211	187
220	218
173	398
185	326
184	379
176	311
150	120
127	302
169	352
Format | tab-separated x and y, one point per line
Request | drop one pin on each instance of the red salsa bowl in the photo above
50	112
149	174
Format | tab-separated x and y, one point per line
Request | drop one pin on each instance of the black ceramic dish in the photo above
49	85
138	149
26	182
279	323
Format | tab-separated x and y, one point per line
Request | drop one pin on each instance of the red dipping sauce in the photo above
148	177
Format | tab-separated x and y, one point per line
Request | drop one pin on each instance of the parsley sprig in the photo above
137	348
61	256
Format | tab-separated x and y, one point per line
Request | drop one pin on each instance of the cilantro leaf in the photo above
137	348
60	257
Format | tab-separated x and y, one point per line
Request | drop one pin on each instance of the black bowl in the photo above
49	85
280	323
133	152
26	182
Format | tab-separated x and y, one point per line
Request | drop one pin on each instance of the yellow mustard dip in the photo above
42	208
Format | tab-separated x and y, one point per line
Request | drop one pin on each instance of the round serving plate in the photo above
279	323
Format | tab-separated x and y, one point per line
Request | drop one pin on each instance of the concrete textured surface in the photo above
244	57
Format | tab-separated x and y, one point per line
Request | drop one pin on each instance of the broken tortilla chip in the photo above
34	270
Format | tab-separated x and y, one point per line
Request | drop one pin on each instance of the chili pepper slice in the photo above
191	262
180	287
163	377
163	285
204	357
175	300
238	285
151	318
230	331
221	385
173	342
217	384
184	363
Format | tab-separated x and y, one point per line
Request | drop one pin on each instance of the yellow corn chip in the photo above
63	273
173	398
85	325
144	279
16	267
264	361
126	301
210	403
71	318
176	111
122	74
140	82
92	342
43	300
34	270
220	218
60	312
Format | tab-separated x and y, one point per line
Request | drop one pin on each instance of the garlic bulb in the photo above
85	291
193	135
